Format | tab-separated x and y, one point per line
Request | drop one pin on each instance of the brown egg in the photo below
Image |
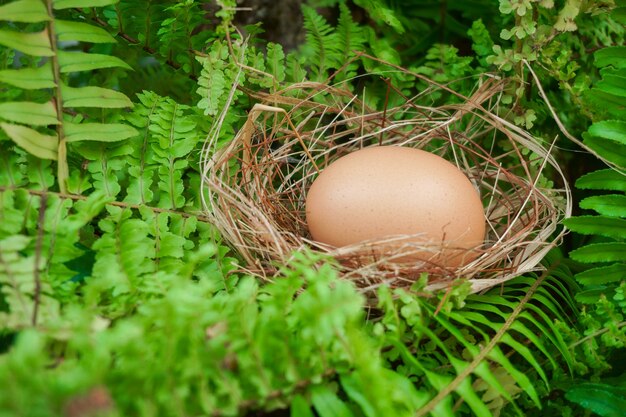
385	191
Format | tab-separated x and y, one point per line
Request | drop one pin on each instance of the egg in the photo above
382	192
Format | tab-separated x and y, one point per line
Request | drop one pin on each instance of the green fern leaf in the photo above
178	35
213	79
322	44
606	103
29	11
606	179
610	56
80	61
36	44
612	84
169	246
276	61
327	404
11	217
93	97
40	174
613	205
141	20
603	399
123	253
68	30
600	252
611	150
106	162
28	112
597	225
300	407
100	132
175	136
29	78
67	4
142	169
11	174
351	38
602	275
378	11
610	129
42	146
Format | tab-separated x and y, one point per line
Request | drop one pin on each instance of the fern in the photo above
174	137
178	38
44	44
118	297
351	38
604	281
464	355
213	79
321	43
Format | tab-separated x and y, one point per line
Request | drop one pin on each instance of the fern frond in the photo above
177	35
140	20
490	344
351	37
604	282
322	43
47	43
175	137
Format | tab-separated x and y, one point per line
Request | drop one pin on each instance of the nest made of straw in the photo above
256	184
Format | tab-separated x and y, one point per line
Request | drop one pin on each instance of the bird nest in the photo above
255	185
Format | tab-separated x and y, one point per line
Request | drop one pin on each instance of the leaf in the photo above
81	61
600	252
99	132
605	179
29	78
613	205
276	61
327	404
612	84
602	275
565	21
610	129
68	4
597	225
77	31
36	44
321	40
467	392
603	399
377	10
27	11
29	113
613	151
607	103
619	15
356	392
42	146
212	84
300	407
611	55
93	97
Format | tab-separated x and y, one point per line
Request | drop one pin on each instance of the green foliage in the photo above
604	283
606	400
118	296
45	44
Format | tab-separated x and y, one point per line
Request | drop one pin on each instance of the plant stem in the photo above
596	334
62	168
